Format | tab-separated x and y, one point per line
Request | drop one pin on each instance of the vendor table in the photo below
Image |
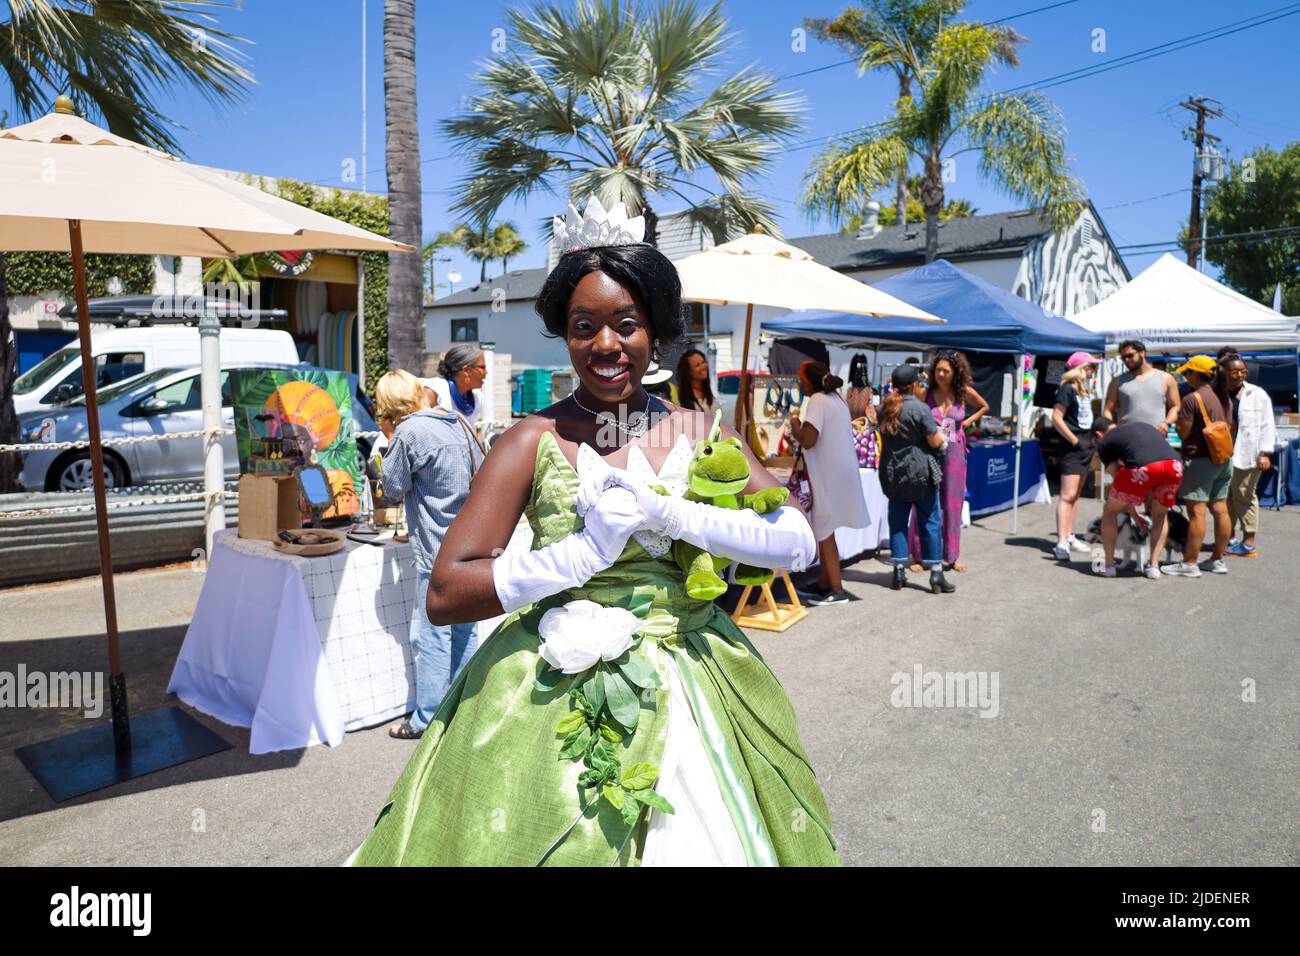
300	649
853	541
990	471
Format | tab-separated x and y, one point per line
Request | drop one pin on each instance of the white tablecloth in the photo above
298	649
853	541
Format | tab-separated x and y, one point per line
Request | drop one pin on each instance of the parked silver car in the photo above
158	402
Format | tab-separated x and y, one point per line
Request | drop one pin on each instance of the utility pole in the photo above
1200	106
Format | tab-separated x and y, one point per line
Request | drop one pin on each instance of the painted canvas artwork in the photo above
286	418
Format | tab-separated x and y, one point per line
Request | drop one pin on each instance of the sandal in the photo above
404	730
915	567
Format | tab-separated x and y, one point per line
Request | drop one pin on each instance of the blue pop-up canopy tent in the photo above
979	317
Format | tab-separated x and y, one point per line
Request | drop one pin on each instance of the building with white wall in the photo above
1064	273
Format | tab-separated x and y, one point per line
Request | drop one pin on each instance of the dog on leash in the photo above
1133	544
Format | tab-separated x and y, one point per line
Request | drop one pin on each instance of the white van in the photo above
120	353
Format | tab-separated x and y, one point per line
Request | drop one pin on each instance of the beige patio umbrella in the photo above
757	269
68	186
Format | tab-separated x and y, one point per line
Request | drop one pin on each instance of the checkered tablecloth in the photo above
299	649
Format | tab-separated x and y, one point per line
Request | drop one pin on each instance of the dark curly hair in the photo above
961	371
641	269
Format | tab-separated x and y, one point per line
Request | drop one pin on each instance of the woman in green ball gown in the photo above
611	718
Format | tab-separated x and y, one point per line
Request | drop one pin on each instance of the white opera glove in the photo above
781	539
521	578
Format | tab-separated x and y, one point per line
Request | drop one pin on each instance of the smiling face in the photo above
699	368
609	338
1237	374
719	468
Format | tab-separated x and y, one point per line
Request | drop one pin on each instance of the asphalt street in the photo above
1135	722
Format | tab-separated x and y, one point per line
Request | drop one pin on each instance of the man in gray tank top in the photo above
1143	393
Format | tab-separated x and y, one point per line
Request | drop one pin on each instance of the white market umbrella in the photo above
757	269
67	185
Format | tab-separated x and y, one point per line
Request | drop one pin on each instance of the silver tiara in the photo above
596	227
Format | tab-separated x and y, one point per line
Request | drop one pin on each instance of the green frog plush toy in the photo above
717	475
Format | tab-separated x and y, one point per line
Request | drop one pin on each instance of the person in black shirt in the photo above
1142	464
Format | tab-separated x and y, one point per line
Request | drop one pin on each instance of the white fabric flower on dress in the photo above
582	633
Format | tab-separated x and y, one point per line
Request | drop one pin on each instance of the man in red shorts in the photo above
1143	464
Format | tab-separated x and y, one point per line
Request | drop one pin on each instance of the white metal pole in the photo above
214	465
363	95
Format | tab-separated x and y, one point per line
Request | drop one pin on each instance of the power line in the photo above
1138	202
1254	235
1171	46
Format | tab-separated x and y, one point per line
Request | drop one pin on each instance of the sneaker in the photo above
1078	544
1152	572
1239	550
1232	542
810	594
1105	570
830	597
1061	552
1178	569
1218	567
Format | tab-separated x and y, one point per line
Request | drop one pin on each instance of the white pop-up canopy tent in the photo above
1173	308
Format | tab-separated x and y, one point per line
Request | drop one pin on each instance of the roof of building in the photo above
977	237
521	285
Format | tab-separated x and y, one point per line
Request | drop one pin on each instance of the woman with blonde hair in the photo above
429	461
1072	419
398	394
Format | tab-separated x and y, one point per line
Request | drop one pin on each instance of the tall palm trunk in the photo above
900	191
9	463
932	201
402	158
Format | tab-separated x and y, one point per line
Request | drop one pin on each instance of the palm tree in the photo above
447	239
402	161
1019	138
606	98
115	60
244	271
506	242
892	35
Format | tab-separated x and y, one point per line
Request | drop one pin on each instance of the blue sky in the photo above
303	119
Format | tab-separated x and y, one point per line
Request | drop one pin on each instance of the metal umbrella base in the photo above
89	760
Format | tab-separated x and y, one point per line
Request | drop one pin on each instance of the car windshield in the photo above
118	389
39	374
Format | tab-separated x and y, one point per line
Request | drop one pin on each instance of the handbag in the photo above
799	485
1218	436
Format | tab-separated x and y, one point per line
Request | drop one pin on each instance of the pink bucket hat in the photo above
1081	358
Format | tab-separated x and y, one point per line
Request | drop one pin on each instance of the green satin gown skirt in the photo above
486	785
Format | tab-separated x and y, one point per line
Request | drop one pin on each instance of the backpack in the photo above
1218	436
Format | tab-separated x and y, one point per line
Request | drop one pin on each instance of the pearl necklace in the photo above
641	419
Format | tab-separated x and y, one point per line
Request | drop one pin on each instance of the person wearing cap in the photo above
1253	437
910	474
1144	465
1072	419
1205	485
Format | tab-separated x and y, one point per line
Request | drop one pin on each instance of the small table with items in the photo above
300	649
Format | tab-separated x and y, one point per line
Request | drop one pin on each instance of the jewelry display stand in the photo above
778	616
